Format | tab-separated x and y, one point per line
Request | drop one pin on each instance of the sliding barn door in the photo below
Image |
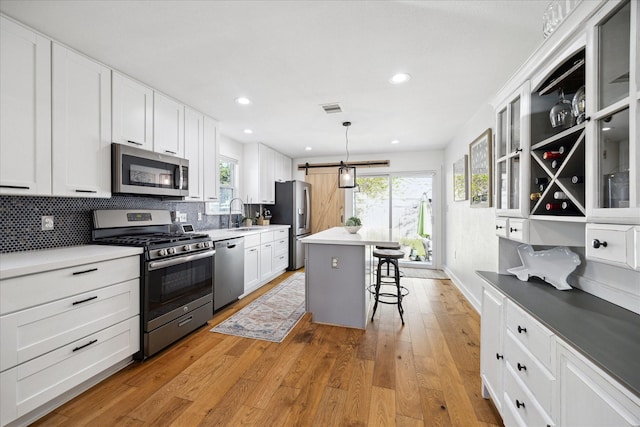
327	200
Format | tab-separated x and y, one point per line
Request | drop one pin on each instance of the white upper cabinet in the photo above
25	111
259	174
81	124
613	104
132	112
194	152
512	154
168	122
210	165
282	167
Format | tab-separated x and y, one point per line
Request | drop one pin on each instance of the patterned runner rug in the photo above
272	316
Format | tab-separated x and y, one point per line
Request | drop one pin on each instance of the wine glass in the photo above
561	115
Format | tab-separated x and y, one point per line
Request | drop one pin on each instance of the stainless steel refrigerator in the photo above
293	207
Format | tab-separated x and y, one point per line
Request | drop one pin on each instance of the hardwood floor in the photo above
423	374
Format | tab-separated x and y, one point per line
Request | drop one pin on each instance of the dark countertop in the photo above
605	333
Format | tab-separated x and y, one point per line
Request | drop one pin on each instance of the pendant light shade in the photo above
346	174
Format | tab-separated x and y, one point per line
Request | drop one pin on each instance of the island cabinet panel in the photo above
335	278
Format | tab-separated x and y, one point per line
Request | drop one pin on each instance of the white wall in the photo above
399	162
471	242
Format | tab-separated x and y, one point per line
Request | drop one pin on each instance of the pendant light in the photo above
346	174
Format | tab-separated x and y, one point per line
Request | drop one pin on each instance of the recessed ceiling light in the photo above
248	131
606	128
399	78
308	148
243	101
395	141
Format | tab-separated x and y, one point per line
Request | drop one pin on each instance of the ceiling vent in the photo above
331	108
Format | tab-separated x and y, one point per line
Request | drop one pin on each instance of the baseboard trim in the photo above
477	305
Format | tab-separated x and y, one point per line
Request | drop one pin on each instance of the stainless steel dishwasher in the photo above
228	282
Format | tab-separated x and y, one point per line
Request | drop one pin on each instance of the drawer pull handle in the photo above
498	227
184	322
86	345
521	367
86	191
499	356
85	300
75	273
597	243
521	329
519	404
513	230
17	187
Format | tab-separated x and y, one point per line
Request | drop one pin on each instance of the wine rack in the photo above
558	179
558	154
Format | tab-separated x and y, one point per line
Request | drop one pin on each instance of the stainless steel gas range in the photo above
176	273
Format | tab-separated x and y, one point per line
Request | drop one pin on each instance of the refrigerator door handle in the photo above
307	208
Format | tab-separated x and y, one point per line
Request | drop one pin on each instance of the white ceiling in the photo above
289	57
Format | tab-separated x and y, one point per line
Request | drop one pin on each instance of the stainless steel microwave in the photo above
137	171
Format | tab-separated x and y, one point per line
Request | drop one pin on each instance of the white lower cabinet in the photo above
251	262
537	379
266	256
491	350
590	397
61	328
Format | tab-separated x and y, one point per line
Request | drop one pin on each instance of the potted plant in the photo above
353	224
247	221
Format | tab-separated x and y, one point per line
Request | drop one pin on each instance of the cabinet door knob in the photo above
498	227
521	367
521	329
519	404
518	150
511	229
597	243
499	356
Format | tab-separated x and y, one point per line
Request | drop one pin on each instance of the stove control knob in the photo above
186	248
202	245
162	252
171	251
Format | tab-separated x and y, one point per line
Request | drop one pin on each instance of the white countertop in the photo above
230	233
365	236
16	264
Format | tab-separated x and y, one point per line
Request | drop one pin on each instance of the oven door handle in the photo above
156	265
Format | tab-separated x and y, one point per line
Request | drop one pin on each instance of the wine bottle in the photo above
553	206
576	179
560	195
542	187
548	155
565	205
535	196
542	180
555	164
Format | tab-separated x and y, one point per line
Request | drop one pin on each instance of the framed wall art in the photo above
480	172
460	183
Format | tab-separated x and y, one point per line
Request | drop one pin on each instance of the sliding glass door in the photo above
403	202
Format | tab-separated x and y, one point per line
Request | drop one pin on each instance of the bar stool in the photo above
395	246
388	257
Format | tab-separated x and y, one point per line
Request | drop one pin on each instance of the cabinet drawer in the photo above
537	339
266	237
537	379
281	262
518	230
27	291
30	385
281	233
280	246
251	240
522	404
501	227
30	333
614	244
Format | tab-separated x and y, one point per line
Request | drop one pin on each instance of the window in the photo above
228	170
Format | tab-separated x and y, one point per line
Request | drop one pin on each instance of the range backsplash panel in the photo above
21	218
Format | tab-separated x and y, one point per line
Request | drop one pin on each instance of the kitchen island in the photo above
338	271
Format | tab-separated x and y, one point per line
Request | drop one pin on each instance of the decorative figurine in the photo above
551	265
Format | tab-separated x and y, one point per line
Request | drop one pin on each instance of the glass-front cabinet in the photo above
614	156
512	148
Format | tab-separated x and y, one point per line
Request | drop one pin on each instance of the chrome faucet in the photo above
231	208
